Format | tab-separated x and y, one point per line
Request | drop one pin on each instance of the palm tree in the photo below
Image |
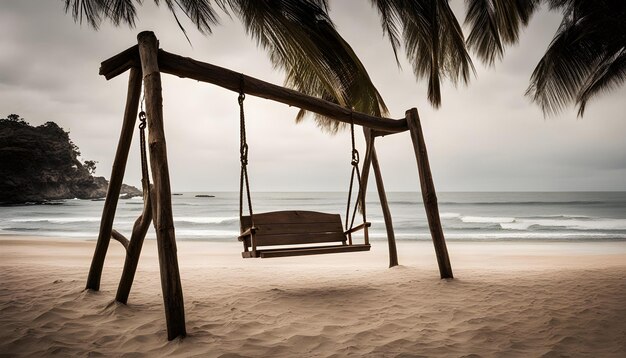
301	39
587	55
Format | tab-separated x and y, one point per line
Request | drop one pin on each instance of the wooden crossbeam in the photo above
186	67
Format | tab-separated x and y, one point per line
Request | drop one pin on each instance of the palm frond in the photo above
608	75
511	16
302	41
484	37
561	71
172	9
122	12
91	10
433	41
200	12
496	23
584	57
388	20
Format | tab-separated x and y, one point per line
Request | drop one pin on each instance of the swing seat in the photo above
287	228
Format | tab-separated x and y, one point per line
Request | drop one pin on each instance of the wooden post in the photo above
133	250
428	193
372	159
365	172
117	175
163	219
391	237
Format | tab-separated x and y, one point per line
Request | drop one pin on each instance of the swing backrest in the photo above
294	227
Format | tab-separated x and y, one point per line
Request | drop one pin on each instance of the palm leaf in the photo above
200	12
433	41
302	41
584	58
388	20
91	10
484	37
122	11
496	23
608	75
560	72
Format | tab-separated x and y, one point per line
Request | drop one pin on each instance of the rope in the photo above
355	171
243	154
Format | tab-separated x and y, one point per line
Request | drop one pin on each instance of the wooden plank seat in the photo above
297	228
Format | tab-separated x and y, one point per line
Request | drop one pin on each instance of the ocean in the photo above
467	216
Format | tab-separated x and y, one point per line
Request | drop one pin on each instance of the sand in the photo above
507	300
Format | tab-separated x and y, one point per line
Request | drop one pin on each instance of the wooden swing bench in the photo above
286	228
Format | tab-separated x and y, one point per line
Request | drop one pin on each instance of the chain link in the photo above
145	177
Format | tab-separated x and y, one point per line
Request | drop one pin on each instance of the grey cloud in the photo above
487	136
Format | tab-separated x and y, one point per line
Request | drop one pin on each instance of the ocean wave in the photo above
487	219
140	202
537	236
206	219
376	221
63	220
38	232
182	233
562	216
570	224
513	203
500	236
405	202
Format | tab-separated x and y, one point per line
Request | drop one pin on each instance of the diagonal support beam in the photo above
429	195
371	160
117	175
133	247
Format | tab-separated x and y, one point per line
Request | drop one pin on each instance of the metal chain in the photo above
145	177
355	153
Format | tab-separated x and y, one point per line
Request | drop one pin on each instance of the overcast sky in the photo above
486	136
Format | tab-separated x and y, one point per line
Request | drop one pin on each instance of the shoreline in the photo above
507	299
482	255
217	239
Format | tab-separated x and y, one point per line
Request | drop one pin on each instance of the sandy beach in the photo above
507	300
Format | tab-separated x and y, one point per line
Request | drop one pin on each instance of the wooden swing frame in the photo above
146	61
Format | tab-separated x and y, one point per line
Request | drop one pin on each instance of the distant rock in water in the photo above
40	164
205	196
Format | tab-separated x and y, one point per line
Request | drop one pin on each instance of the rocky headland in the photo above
39	164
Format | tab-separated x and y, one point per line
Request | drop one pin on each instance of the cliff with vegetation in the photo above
40	163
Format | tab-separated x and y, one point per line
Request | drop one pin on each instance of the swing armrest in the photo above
357	228
248	232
